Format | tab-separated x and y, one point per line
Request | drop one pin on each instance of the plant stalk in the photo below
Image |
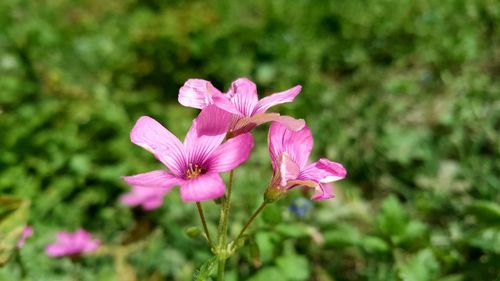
222	229
251	219
204	222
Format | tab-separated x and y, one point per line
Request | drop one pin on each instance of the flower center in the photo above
193	171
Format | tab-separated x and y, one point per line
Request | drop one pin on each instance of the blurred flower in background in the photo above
27	232
72	244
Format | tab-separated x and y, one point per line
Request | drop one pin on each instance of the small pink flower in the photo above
195	164
147	197
27	232
72	244
289	152
242	101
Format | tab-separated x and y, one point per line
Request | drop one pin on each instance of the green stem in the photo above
251	219
222	229
204	222
220	269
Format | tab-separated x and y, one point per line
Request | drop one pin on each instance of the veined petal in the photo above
202	188
206	133
231	154
155	179
323	191
197	93
289	170
152	136
148	189
246	124
298	144
323	171
243	94
277	98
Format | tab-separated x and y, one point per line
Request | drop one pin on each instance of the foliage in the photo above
403	93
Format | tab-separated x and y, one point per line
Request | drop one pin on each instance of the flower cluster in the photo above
219	140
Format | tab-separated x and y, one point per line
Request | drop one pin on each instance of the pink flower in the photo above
195	164
242	101
150	198
72	244
27	232
289	152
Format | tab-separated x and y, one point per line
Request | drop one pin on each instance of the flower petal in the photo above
243	94
323	171
278	98
55	250
246	124
202	188
323	191
152	136
298	144
197	93
206	133
289	170
231	154
147	197
154	179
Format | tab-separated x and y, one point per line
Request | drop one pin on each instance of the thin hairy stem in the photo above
222	229
251	219
204	222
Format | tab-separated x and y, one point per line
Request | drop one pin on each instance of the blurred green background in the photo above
404	93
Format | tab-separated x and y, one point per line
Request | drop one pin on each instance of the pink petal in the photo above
289	170
231	154
197	93
56	250
156	179
323	171
278	98
202	188
206	133
91	246
246	124
323	191
298	144
149	197
152	203
27	232
152	136
243	94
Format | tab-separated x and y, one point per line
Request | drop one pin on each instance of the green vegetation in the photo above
406	94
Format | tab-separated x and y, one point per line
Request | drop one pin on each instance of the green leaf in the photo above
14	216
266	274
373	244
487	239
205	270
292	230
294	267
485	211
272	214
342	236
421	267
392	219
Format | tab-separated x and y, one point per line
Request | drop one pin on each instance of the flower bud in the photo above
192	231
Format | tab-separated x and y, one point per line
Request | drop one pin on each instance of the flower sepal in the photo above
273	194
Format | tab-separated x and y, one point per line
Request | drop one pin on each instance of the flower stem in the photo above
204	222
222	229
251	219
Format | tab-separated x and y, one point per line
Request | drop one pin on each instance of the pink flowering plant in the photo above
219	141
